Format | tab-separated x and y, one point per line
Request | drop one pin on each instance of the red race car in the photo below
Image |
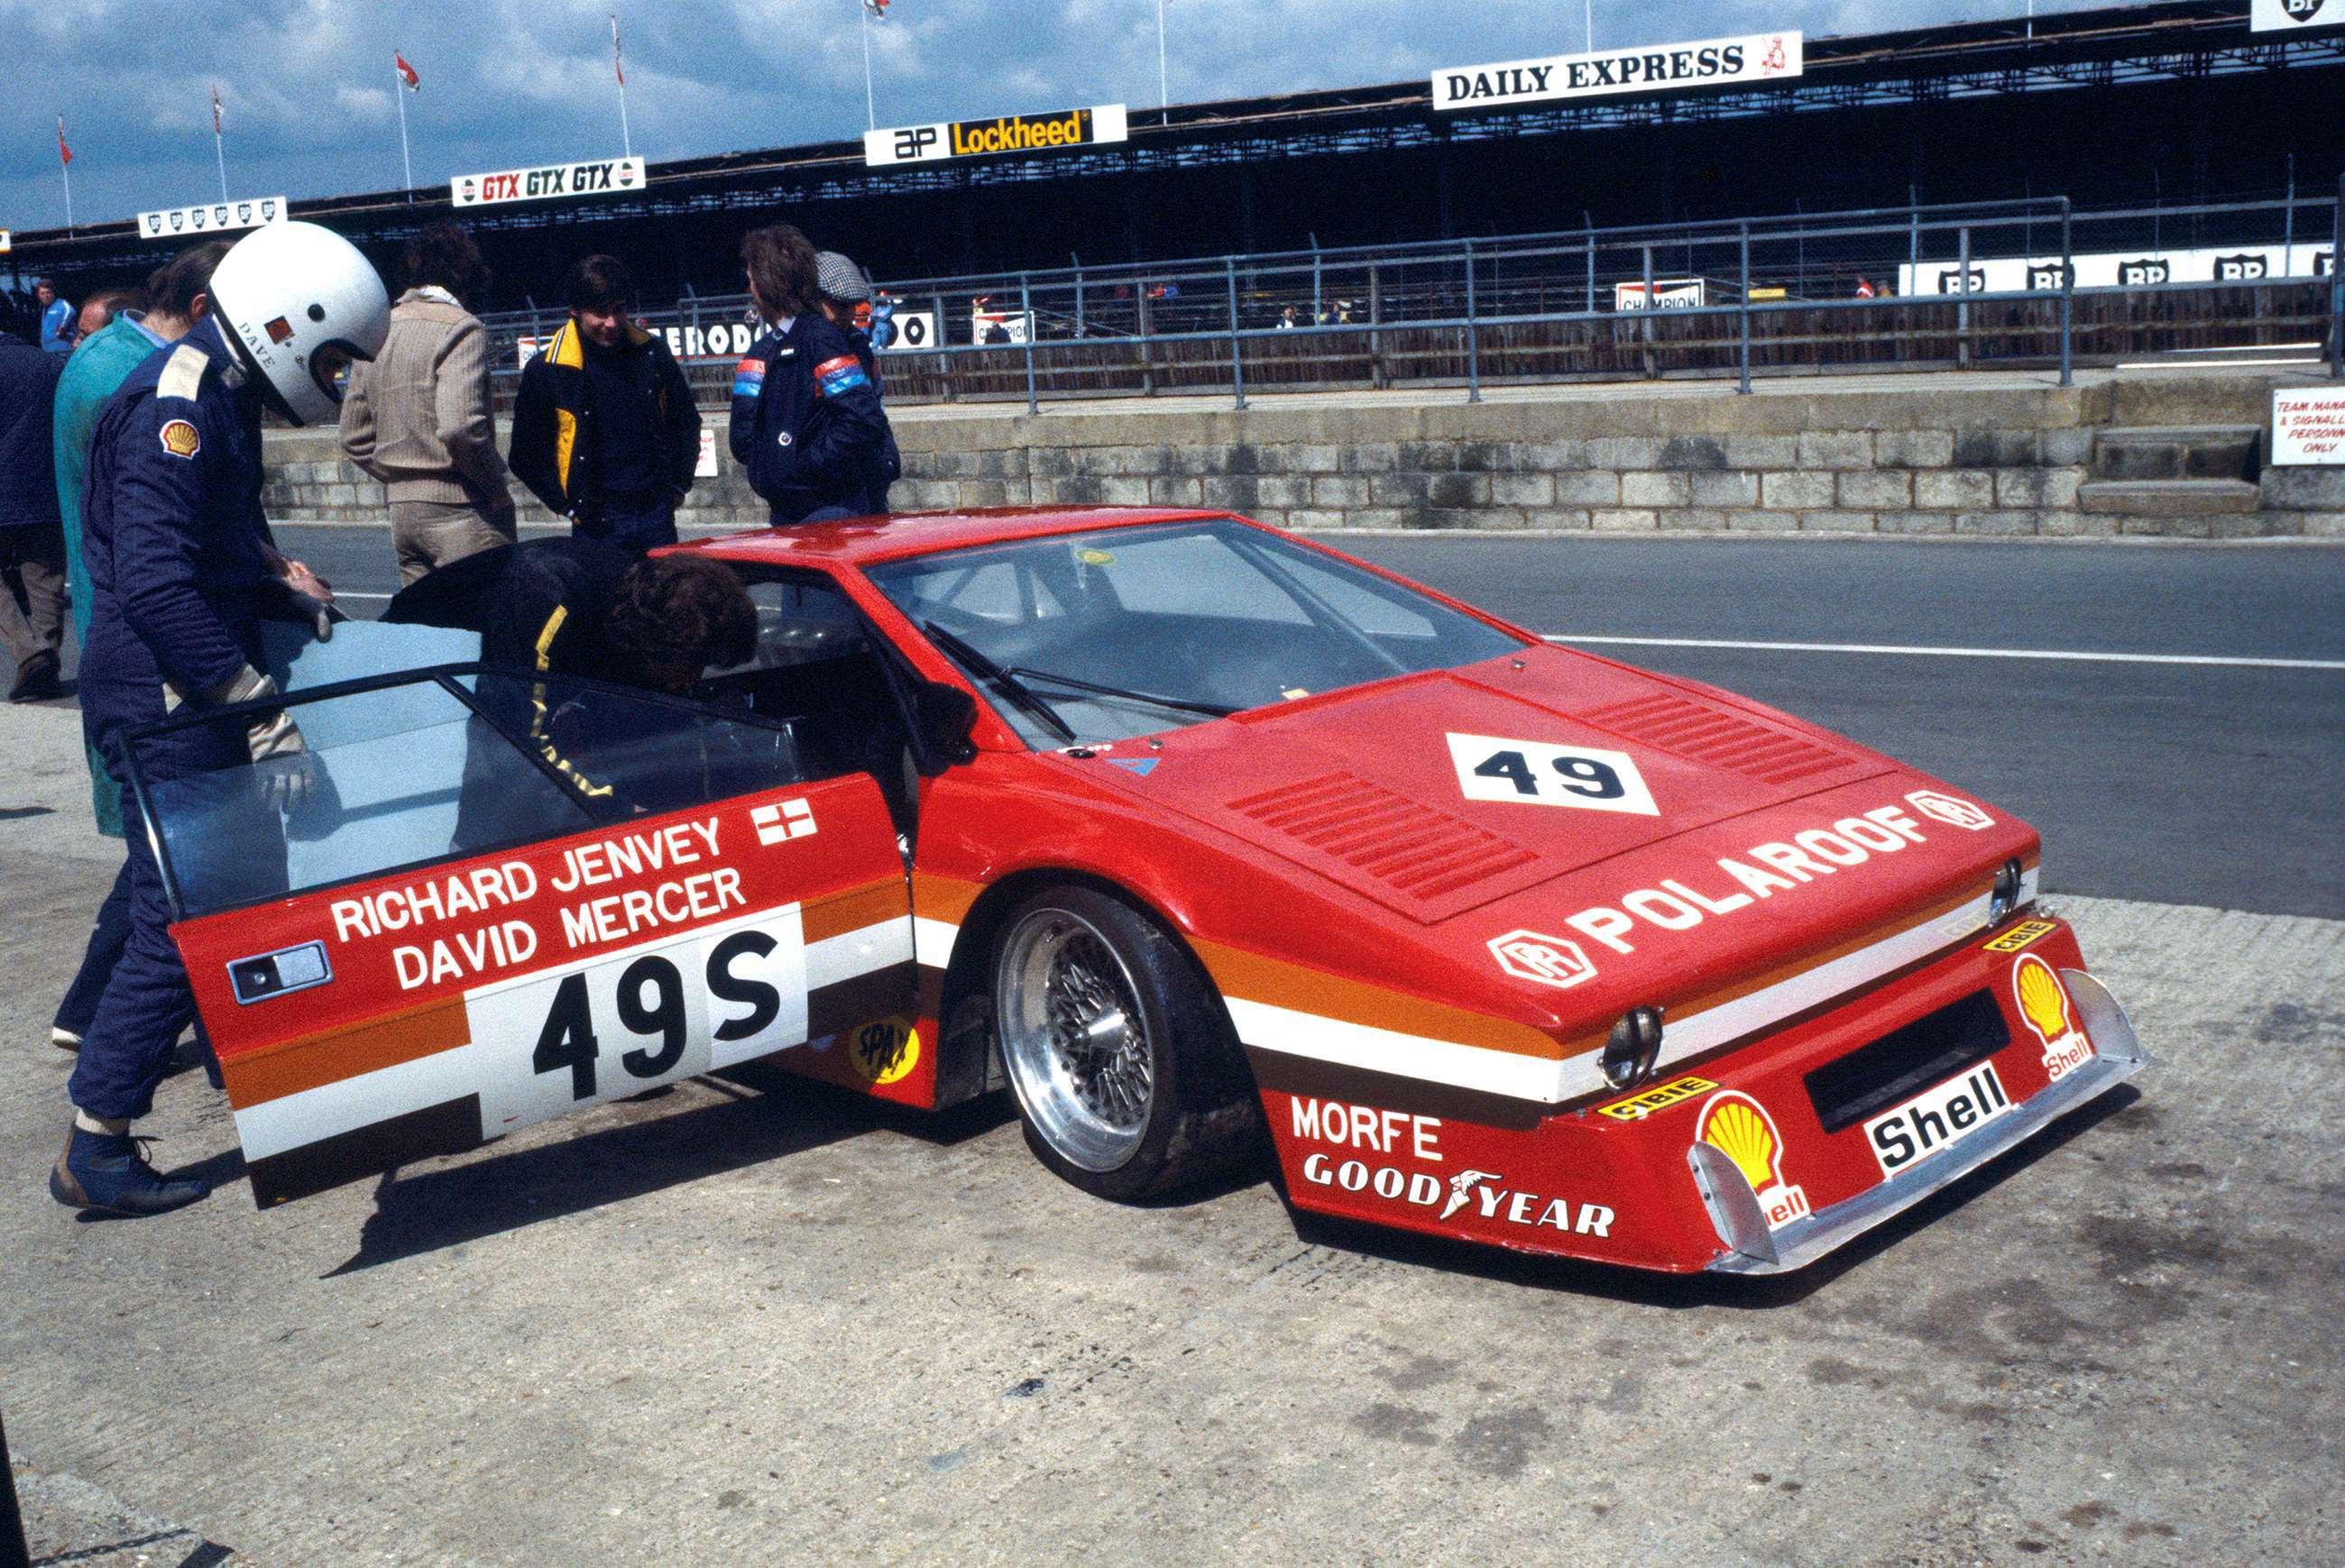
1173	823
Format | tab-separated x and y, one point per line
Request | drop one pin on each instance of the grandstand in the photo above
2138	105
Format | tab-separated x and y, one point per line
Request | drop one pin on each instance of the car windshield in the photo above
1124	631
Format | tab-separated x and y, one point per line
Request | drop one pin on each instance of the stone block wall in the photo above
1902	456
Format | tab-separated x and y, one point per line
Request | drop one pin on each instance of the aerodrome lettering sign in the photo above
211	217
1663	67
596	177
988	138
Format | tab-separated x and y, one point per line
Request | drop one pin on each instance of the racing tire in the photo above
1127	1075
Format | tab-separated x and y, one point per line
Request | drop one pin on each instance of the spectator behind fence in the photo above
605	432
807	422
846	303
56	317
419	417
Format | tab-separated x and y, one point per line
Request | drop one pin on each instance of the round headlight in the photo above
1634	1045
2006	896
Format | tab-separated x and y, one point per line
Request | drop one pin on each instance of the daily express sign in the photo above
1706	63
597	177
1010	134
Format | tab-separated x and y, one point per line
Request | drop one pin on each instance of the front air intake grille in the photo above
1872	1079
1702	733
1408	847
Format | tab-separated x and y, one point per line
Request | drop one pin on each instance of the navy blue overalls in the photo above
175	544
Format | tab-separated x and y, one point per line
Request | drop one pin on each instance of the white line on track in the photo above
1902	650
346	593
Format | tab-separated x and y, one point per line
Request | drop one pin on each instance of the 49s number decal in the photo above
1534	773
633	1020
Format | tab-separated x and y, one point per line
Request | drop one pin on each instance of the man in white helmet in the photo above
181	574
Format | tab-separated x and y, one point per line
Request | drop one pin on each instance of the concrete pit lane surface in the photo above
752	1319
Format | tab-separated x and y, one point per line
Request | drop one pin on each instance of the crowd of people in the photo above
130	487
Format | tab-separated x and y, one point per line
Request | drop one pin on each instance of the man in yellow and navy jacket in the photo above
604	429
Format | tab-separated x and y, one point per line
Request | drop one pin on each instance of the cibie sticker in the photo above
1661	1097
1534	773
2026	934
1738	1128
2044	1002
179	439
886	1050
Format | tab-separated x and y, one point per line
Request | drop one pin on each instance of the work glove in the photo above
280	757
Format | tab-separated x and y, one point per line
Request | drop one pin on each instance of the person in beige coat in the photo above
417	416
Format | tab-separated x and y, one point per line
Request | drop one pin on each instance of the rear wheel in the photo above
1127	1077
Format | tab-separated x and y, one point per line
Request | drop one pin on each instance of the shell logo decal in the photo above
2043	1004
1739	1128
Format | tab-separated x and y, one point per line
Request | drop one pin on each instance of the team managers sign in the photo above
1709	62
1010	134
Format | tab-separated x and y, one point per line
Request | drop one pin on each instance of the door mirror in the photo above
943	716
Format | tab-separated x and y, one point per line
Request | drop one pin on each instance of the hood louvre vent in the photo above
1410	848
1701	733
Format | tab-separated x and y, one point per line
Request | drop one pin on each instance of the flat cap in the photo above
840	279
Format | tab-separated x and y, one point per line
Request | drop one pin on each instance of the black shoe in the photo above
36	678
108	1172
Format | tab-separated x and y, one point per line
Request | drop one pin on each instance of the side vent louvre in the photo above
1410	848
1705	734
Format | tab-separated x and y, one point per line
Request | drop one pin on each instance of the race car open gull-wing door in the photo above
483	898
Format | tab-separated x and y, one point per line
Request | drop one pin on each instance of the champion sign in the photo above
598	176
1709	63
211	217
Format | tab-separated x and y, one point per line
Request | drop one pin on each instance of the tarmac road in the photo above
749	1319
2184	782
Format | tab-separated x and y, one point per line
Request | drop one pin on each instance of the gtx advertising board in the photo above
596	177
211	217
988	138
1662	67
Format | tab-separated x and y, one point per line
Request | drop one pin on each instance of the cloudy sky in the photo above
308	86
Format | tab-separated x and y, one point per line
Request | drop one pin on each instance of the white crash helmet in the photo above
302	304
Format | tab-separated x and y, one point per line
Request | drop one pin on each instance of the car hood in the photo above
1368	787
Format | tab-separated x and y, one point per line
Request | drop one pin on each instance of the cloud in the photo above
507	83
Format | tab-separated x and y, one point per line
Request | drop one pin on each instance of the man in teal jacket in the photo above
103	361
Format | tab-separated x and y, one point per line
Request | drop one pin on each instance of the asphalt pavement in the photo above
2193	780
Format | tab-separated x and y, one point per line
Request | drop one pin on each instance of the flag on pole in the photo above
216	110
406	72
617	63
65	153
877	7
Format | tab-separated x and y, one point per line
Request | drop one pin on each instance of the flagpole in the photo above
1587	14
1164	98
65	172
870	110
398	94
626	139
220	150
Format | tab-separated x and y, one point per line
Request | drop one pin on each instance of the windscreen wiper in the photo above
985	668
1183	705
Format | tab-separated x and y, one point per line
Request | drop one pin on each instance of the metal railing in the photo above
1868	290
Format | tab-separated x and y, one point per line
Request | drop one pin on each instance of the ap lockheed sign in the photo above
1709	63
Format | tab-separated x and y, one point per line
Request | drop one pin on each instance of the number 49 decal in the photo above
1532	773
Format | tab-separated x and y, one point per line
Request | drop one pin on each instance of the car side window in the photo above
425	767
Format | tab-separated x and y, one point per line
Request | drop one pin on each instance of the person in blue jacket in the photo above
57	332
847	301
807	422
181	573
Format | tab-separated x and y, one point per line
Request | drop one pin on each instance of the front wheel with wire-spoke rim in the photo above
1120	1055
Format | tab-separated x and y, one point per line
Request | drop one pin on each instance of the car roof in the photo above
860	542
